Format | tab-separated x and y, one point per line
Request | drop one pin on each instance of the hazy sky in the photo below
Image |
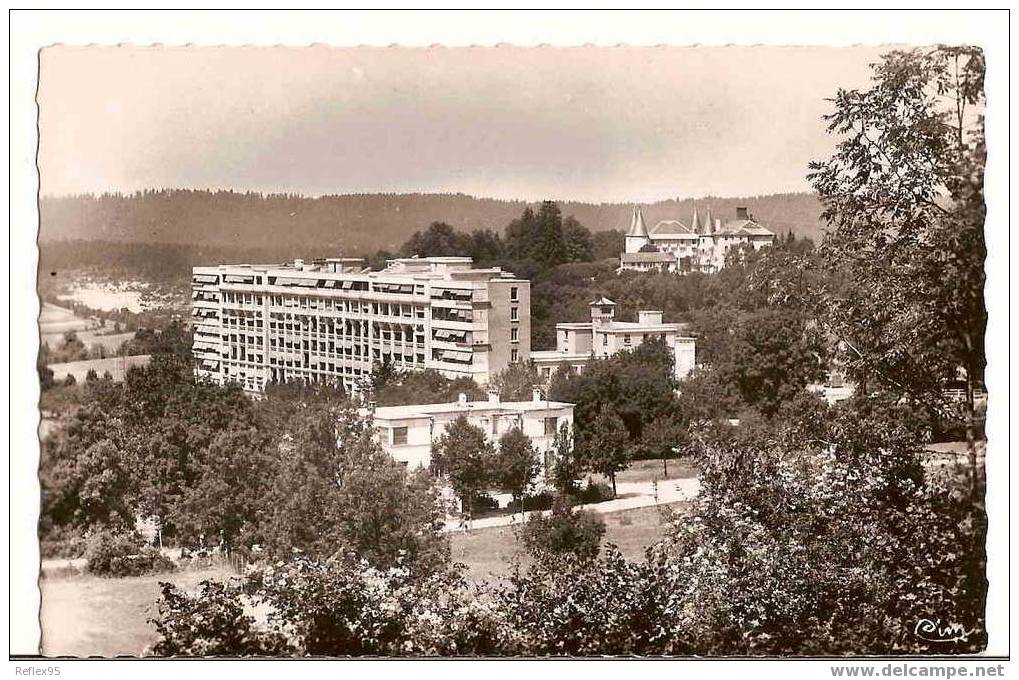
595	124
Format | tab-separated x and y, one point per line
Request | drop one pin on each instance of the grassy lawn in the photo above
90	616
647	470
491	552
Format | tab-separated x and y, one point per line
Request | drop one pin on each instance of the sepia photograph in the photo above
670	350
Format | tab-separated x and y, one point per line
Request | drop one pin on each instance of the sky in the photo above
619	124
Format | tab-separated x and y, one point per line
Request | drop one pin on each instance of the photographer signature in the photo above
933	630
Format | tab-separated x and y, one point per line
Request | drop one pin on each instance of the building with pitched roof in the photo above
578	343
702	246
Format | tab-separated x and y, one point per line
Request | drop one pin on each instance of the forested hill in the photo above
356	223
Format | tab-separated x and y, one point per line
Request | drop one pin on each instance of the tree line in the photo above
348	224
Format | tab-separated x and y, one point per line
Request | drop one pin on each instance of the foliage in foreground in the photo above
120	553
811	535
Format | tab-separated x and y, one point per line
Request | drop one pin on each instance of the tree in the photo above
521	235
387	516
605	445
663	438
516	382
464	455
828	521
486	247
383	373
439	239
549	246
579	246
104	490
228	497
540	237
567	466
607	244
638	386
767	356
564	532
903	195
45	376
515	465
425	387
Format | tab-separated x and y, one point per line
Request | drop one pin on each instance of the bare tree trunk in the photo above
612	476
665	465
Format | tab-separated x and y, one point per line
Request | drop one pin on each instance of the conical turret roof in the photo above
695	224
637	226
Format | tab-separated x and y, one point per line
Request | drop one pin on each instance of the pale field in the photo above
89	616
117	367
106	297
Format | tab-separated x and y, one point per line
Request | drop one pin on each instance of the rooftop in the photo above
487	407
434	268
648	257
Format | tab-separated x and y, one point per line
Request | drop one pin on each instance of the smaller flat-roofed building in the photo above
579	343
407	433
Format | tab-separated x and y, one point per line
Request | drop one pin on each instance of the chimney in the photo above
649	318
536	394
298	264
742	214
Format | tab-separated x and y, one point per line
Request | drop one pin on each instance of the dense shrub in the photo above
62	543
337	607
212	622
120	553
564	531
484	502
543	500
594	492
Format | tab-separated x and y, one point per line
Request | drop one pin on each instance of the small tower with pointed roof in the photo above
603	312
637	237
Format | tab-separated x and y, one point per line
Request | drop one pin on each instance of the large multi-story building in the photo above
702	246
579	343
329	321
407	433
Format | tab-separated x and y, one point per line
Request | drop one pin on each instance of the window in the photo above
399	436
626	339
514	334
514	356
514	294
514	313
605	338
551	425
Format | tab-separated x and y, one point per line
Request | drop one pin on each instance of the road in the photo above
630	495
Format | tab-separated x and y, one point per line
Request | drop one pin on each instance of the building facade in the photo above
702	246
579	343
330	321
407	433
